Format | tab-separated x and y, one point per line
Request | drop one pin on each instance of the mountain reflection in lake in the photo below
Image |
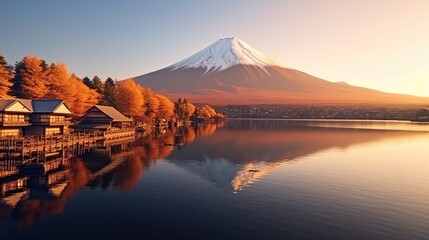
253	179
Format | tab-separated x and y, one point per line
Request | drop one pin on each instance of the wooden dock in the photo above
29	147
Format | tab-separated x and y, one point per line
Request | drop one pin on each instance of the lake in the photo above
243	179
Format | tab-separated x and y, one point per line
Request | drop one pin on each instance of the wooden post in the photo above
8	148
22	148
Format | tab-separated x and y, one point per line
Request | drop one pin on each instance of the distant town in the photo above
325	112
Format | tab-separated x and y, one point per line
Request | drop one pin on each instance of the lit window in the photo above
10	132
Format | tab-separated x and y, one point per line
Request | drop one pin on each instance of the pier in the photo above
28	148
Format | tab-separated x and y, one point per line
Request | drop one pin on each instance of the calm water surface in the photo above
245	179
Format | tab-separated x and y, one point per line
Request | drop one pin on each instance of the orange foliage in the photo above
83	97
130	98
190	109
32	78
57	82
71	89
206	112
6	76
165	107
151	103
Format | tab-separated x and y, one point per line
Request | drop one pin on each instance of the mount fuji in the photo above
230	71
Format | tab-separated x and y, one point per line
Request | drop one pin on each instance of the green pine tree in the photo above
109	97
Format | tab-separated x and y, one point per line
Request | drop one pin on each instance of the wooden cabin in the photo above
14	116
25	117
48	117
103	118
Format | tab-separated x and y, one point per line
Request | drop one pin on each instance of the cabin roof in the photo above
46	106
112	113
5	103
13	105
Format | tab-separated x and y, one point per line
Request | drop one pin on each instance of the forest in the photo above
33	78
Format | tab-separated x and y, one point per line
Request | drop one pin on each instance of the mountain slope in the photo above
230	71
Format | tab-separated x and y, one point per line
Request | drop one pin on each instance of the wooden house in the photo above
25	117
48	117
14	116
103	118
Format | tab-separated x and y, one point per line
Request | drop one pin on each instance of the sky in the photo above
380	44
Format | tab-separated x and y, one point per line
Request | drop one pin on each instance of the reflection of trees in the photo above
124	176
208	129
128	174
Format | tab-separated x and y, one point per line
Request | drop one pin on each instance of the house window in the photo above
42	118
13	118
10	133
52	131
56	119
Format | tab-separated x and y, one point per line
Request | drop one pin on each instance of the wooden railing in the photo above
51	122
28	145
121	130
15	123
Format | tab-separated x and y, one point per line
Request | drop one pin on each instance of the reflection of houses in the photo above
34	117
48	185
12	184
103	118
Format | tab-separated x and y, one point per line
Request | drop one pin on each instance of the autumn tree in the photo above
206	111
6	76
165	107
151	105
179	110
130	98
183	109
30	78
189	108
84	97
56	81
70	88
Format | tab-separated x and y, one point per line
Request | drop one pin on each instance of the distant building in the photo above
103	118
423	114
25	117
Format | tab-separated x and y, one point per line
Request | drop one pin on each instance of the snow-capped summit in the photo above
223	54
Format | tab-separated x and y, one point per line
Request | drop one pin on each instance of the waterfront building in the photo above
25	117
103	118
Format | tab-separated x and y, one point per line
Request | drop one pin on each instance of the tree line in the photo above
34	78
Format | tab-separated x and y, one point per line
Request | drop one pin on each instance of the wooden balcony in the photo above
48	122
60	123
15	123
